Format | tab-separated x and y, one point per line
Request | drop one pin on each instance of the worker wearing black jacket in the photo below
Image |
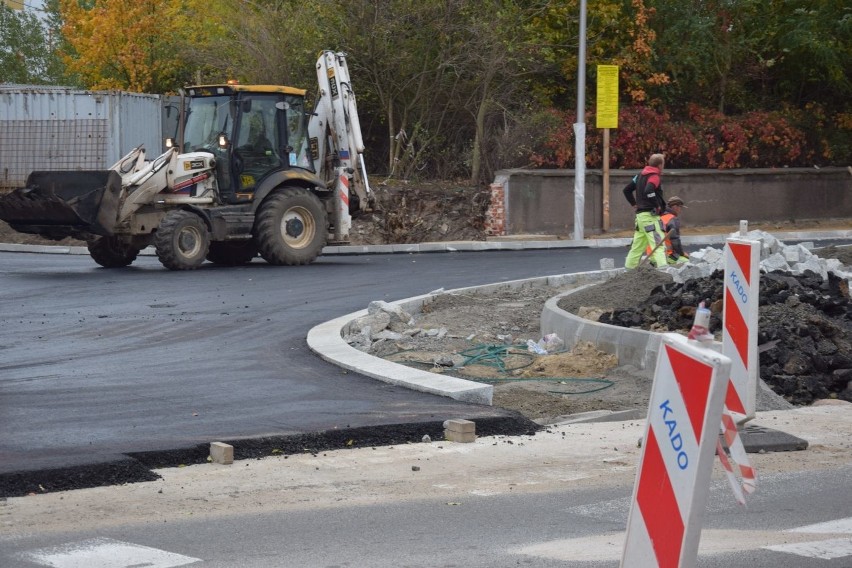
645	194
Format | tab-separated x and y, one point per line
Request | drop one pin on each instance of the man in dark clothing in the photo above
645	194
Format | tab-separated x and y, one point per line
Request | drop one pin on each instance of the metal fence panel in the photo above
57	128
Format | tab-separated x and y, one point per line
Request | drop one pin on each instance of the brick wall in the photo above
495	221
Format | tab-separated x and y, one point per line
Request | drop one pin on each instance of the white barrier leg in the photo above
673	478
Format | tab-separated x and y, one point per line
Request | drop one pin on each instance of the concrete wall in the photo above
542	201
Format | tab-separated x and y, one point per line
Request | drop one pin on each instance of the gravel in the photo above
804	322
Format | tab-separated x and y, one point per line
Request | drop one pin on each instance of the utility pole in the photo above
580	131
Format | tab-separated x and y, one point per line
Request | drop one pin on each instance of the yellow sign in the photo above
607	96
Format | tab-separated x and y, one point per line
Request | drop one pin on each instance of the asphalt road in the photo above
96	364
576	527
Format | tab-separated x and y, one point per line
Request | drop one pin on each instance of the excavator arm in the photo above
336	144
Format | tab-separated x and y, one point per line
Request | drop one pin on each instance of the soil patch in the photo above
485	336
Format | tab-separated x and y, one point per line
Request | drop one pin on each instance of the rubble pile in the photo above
804	318
384	323
775	256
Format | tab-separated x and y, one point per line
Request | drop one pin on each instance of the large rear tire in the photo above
291	227
232	253
111	252
182	240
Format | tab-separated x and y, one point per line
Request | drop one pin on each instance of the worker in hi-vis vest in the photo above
671	225
645	194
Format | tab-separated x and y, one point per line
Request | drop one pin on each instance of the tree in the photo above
272	41
25	54
809	55
500	57
126	44
443	79
57	45
722	56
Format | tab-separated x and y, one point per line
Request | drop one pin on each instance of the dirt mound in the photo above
423	212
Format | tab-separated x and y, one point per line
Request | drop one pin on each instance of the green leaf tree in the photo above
272	41
25	53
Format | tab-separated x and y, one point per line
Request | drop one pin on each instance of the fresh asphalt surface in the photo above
98	364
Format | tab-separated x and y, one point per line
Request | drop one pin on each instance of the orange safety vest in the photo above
664	221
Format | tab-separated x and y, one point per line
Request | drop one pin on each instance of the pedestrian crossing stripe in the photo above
106	553
822	549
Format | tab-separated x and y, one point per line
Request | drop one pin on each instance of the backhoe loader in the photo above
252	172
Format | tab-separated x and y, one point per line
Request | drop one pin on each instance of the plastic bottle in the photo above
701	326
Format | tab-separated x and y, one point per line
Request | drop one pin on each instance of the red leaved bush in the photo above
705	139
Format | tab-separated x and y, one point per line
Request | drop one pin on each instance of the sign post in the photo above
607	117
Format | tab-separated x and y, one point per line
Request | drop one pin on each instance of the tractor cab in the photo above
252	130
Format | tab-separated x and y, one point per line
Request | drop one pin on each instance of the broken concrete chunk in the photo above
386	334
396	313
439	332
376	322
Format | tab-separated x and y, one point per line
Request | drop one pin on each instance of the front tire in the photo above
182	240
111	252
291	227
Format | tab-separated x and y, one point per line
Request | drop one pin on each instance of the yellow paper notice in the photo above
607	96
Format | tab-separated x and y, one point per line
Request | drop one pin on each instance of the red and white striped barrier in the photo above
739	324
734	445
673	479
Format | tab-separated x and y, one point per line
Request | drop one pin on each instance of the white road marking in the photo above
106	553
609	547
822	549
840	526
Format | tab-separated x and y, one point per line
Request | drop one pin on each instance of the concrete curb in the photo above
472	246
326	340
635	347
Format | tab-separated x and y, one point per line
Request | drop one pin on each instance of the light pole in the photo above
580	131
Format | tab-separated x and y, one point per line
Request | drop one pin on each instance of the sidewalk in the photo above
576	455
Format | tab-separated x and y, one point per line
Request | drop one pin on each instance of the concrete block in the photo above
461	426
607	263
775	262
462	437
463	431
222	453
791	254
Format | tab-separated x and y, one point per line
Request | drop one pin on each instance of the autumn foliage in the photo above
702	139
124	44
463	88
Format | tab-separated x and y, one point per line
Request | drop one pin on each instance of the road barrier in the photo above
673	478
739	319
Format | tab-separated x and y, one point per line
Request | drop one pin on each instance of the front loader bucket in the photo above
58	204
